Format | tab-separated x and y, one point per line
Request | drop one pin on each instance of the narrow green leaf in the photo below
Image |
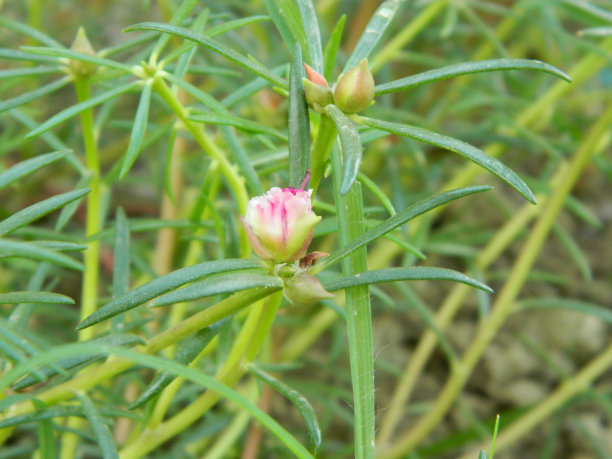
398	274
13	353
390	224
75	55
213	45
583	307
164	284
127	44
186	352
67	363
312	33
299	123
372	33
494	439
242	124
33	95
331	49
216	286
187	49
20	315
44	429
596	32
12	399
10	248
584	213
168	165
78	108
29	166
101	431
588	8
121	264
380	194
464	149
28	31
483	28
34	297
482	454
243	161
138	129
288	21
574	251
38	210
251	88
61	412
28	71
299	401
406	246
235	24
50	139
12	54
230	236
181	13
9	330
466	68
350	144
70	209
61	246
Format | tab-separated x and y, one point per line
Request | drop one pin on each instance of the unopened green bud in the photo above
317	96
82	45
355	89
304	289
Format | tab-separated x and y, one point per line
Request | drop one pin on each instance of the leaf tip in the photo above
346	186
528	194
33	133
87	322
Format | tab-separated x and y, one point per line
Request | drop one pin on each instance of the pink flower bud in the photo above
355	89
317	91
280	224
315	76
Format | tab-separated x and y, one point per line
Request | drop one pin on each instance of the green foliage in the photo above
160	136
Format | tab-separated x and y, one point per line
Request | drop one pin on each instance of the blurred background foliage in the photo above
562	319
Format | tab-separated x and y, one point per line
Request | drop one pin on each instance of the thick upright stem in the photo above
93	218
321	147
93	225
358	313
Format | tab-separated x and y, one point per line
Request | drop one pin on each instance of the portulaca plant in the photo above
178	313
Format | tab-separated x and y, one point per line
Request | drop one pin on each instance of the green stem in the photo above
235	181
358	313
93	225
93	220
321	147
503	305
250	340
